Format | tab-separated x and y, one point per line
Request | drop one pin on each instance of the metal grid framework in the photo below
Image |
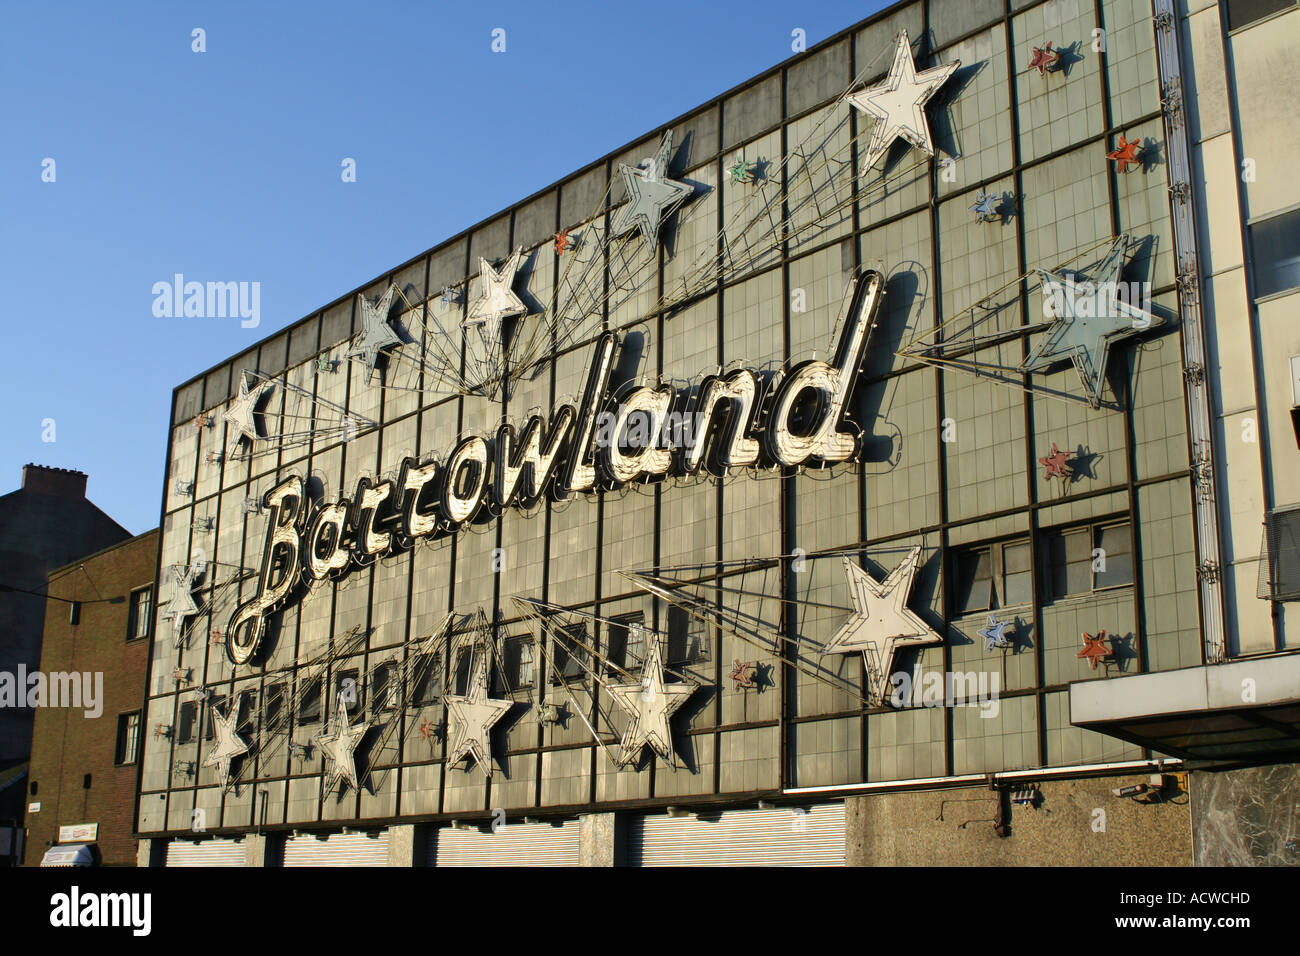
705	724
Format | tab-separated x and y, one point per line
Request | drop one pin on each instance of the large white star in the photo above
649	704
898	104
244	406
1089	316
376	333
229	745
182	605
338	746
881	621
470	719
651	194
498	301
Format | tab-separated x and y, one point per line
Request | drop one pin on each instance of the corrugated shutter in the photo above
778	837
206	853
338	849
514	844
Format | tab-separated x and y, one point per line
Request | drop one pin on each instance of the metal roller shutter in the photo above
514	844
206	853
338	849
740	838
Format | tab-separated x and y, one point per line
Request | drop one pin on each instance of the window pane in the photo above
1276	245
309	709
688	639
1115	544
185	733
626	643
273	709
1017	574
460	679
1069	562
132	737
209	725
244	713
974	590
139	614
1242	12
517	654
569	645
428	686
383	687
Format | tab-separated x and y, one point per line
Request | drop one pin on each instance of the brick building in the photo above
84	757
44	524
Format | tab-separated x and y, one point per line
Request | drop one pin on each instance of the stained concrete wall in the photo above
955	828
1247	817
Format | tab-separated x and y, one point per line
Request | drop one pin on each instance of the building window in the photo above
128	738
244	711
189	716
1087	558
1245	12
273	707
519	664
428	688
383	686
347	685
688	639
309	706
461	674
627	648
569	644
991	576
209	725
1275	248
1279	571
138	617
74	613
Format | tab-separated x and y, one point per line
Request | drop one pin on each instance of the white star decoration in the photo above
182	604
244	406
498	301
229	745
881	621
651	194
898	104
376	333
338	746
649	704
470	719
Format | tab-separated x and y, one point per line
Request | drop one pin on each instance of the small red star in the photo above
562	242
427	729
742	672
1127	154
1044	59
1055	464
1095	649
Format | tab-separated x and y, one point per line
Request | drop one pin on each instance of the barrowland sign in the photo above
607	441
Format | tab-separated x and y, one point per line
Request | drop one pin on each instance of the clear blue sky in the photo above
225	166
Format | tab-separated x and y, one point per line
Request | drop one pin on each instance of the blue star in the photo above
1088	317
985	207
995	633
